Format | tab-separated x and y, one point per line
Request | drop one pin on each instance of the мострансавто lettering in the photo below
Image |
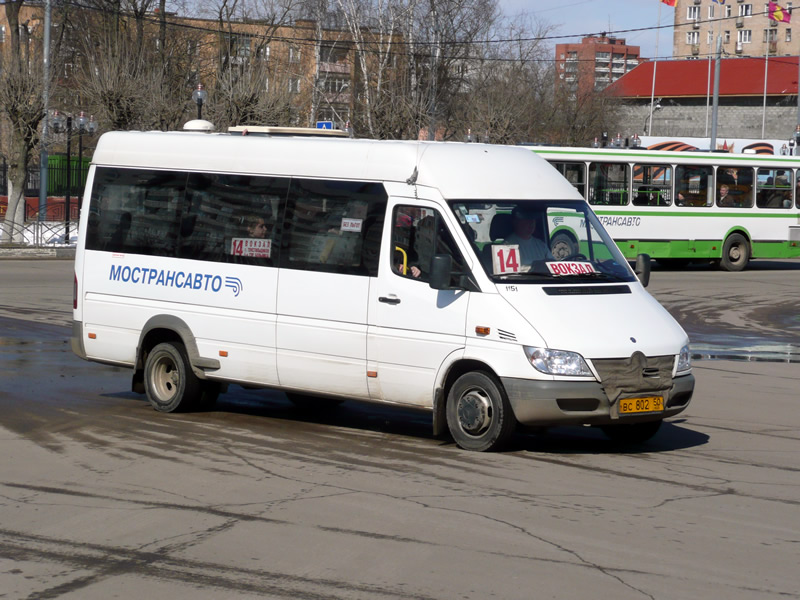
608	221
176	279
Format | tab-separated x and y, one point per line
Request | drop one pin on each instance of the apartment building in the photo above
594	63
744	25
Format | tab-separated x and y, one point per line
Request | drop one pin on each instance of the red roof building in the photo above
690	78
684	91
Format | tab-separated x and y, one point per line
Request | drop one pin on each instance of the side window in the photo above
333	226
774	188
135	211
693	186
608	184
652	185
417	235
575	173
735	186
232	218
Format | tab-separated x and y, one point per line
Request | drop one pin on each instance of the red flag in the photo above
779	14
670	2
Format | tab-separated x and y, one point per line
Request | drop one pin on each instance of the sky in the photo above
575	18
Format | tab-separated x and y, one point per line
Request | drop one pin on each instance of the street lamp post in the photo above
88	126
60	124
199	95
64	124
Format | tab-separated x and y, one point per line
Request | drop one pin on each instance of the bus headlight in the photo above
684	361
557	362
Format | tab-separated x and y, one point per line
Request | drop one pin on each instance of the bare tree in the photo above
128	76
248	87
21	106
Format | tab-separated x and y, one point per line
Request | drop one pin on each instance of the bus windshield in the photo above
541	241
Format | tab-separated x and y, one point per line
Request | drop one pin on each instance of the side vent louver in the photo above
506	335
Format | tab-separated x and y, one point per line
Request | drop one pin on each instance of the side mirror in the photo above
441	269
643	269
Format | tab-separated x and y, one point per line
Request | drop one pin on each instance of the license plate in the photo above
646	404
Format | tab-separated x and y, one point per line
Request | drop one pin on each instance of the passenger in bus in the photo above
256	227
531	247
724	196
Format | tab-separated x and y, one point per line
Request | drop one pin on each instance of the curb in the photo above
37	253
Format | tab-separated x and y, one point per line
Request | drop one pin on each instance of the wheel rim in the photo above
735	253
474	411
166	379
561	249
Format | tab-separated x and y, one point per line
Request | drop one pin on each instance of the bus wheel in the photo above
735	253
479	415
169	381
632	433
562	246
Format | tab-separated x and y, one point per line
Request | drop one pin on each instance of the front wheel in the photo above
479	415
735	253
169	382
563	246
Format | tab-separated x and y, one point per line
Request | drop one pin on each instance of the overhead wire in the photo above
379	46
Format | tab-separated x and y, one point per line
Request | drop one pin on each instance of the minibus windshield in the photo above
541	241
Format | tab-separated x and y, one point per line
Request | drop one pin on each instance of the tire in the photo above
479	415
562	246
633	433
735	253
169	382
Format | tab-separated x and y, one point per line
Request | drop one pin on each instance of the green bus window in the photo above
693	186
652	185
739	183
774	188
608	184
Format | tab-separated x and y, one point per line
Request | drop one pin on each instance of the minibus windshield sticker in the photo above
473	218
252	247
353	225
505	259
570	268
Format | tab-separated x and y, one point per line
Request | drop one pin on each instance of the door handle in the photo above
389	299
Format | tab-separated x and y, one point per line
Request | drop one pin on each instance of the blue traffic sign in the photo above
324	124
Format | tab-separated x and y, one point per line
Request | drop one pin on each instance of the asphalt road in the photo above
101	497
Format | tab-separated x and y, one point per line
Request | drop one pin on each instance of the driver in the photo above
531	247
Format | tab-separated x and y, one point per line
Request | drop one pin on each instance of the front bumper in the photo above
552	403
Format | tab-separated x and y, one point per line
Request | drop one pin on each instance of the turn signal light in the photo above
482	330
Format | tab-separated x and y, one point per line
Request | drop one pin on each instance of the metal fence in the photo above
50	228
56	177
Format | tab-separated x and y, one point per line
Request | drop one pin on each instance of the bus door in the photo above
330	231
413	328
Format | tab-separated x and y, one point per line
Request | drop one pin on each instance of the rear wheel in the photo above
170	383
632	433
479	415
735	253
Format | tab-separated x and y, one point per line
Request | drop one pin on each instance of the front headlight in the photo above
684	361
557	362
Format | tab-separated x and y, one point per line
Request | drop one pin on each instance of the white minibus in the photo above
419	274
